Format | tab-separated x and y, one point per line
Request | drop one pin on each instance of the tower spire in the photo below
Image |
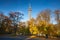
29	11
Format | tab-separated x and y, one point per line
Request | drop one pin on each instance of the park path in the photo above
26	38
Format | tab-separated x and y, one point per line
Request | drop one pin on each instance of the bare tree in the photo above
15	17
57	16
44	15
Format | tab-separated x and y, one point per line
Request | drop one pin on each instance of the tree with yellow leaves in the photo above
43	23
32	27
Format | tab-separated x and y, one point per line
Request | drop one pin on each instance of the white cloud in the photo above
20	11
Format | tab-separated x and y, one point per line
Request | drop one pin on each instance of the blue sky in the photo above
22	6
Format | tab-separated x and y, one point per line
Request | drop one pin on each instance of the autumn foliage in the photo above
41	25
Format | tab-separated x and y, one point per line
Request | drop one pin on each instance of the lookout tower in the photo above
29	11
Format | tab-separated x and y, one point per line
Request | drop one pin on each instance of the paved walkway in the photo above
26	38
